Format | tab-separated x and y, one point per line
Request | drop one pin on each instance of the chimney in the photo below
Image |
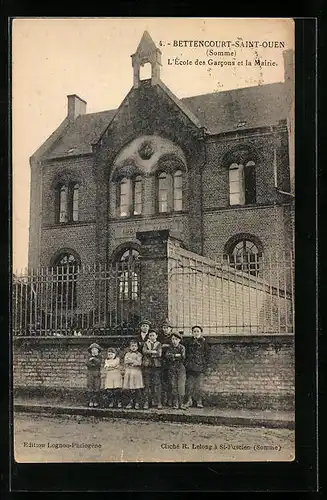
76	106
288	56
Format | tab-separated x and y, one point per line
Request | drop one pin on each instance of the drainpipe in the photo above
275	159
201	180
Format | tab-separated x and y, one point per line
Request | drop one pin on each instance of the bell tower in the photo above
146	52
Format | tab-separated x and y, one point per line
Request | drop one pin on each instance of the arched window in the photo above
245	255
137	195
66	267
67	205
124	197
163	192
128	275
242	183
178	191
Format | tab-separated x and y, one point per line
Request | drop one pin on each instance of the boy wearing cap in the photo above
196	362
142	336
175	357
151	369
93	365
165	340
143	333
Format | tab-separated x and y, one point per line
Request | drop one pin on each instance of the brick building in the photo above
213	172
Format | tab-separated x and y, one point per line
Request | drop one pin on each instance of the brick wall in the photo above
253	370
215	174
79	237
266	223
79	169
243	372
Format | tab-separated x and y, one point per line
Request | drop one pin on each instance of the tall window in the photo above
63	204
129	196
66	278
67	205
178	191
163	192
250	182
75	202
128	275
137	196
236	184
124	196
242	183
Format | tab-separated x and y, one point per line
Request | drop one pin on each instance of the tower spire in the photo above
146	52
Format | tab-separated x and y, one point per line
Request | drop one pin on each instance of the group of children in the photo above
154	371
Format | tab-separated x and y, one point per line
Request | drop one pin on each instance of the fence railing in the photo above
244	295
69	300
229	296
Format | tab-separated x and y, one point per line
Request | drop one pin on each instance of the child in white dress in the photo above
133	379
113	379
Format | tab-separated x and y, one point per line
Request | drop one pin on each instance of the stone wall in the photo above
243	372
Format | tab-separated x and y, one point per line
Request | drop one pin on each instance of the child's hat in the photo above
197	326
166	323
112	349
94	345
145	322
177	334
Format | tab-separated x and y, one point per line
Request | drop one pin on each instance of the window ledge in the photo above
154	215
243	205
68	224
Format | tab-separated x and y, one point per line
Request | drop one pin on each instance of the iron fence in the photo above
82	300
248	296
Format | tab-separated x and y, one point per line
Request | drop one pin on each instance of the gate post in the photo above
154	275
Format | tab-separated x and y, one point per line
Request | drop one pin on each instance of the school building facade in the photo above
169	208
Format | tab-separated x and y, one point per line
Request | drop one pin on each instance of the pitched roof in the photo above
81	134
218	112
258	106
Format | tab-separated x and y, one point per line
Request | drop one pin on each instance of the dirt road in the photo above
41	438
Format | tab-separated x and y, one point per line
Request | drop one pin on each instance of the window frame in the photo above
128	289
66	289
131	183
250	266
70	211
137	180
178	174
247	182
171	190
166	190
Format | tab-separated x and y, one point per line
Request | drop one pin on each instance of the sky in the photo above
90	57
